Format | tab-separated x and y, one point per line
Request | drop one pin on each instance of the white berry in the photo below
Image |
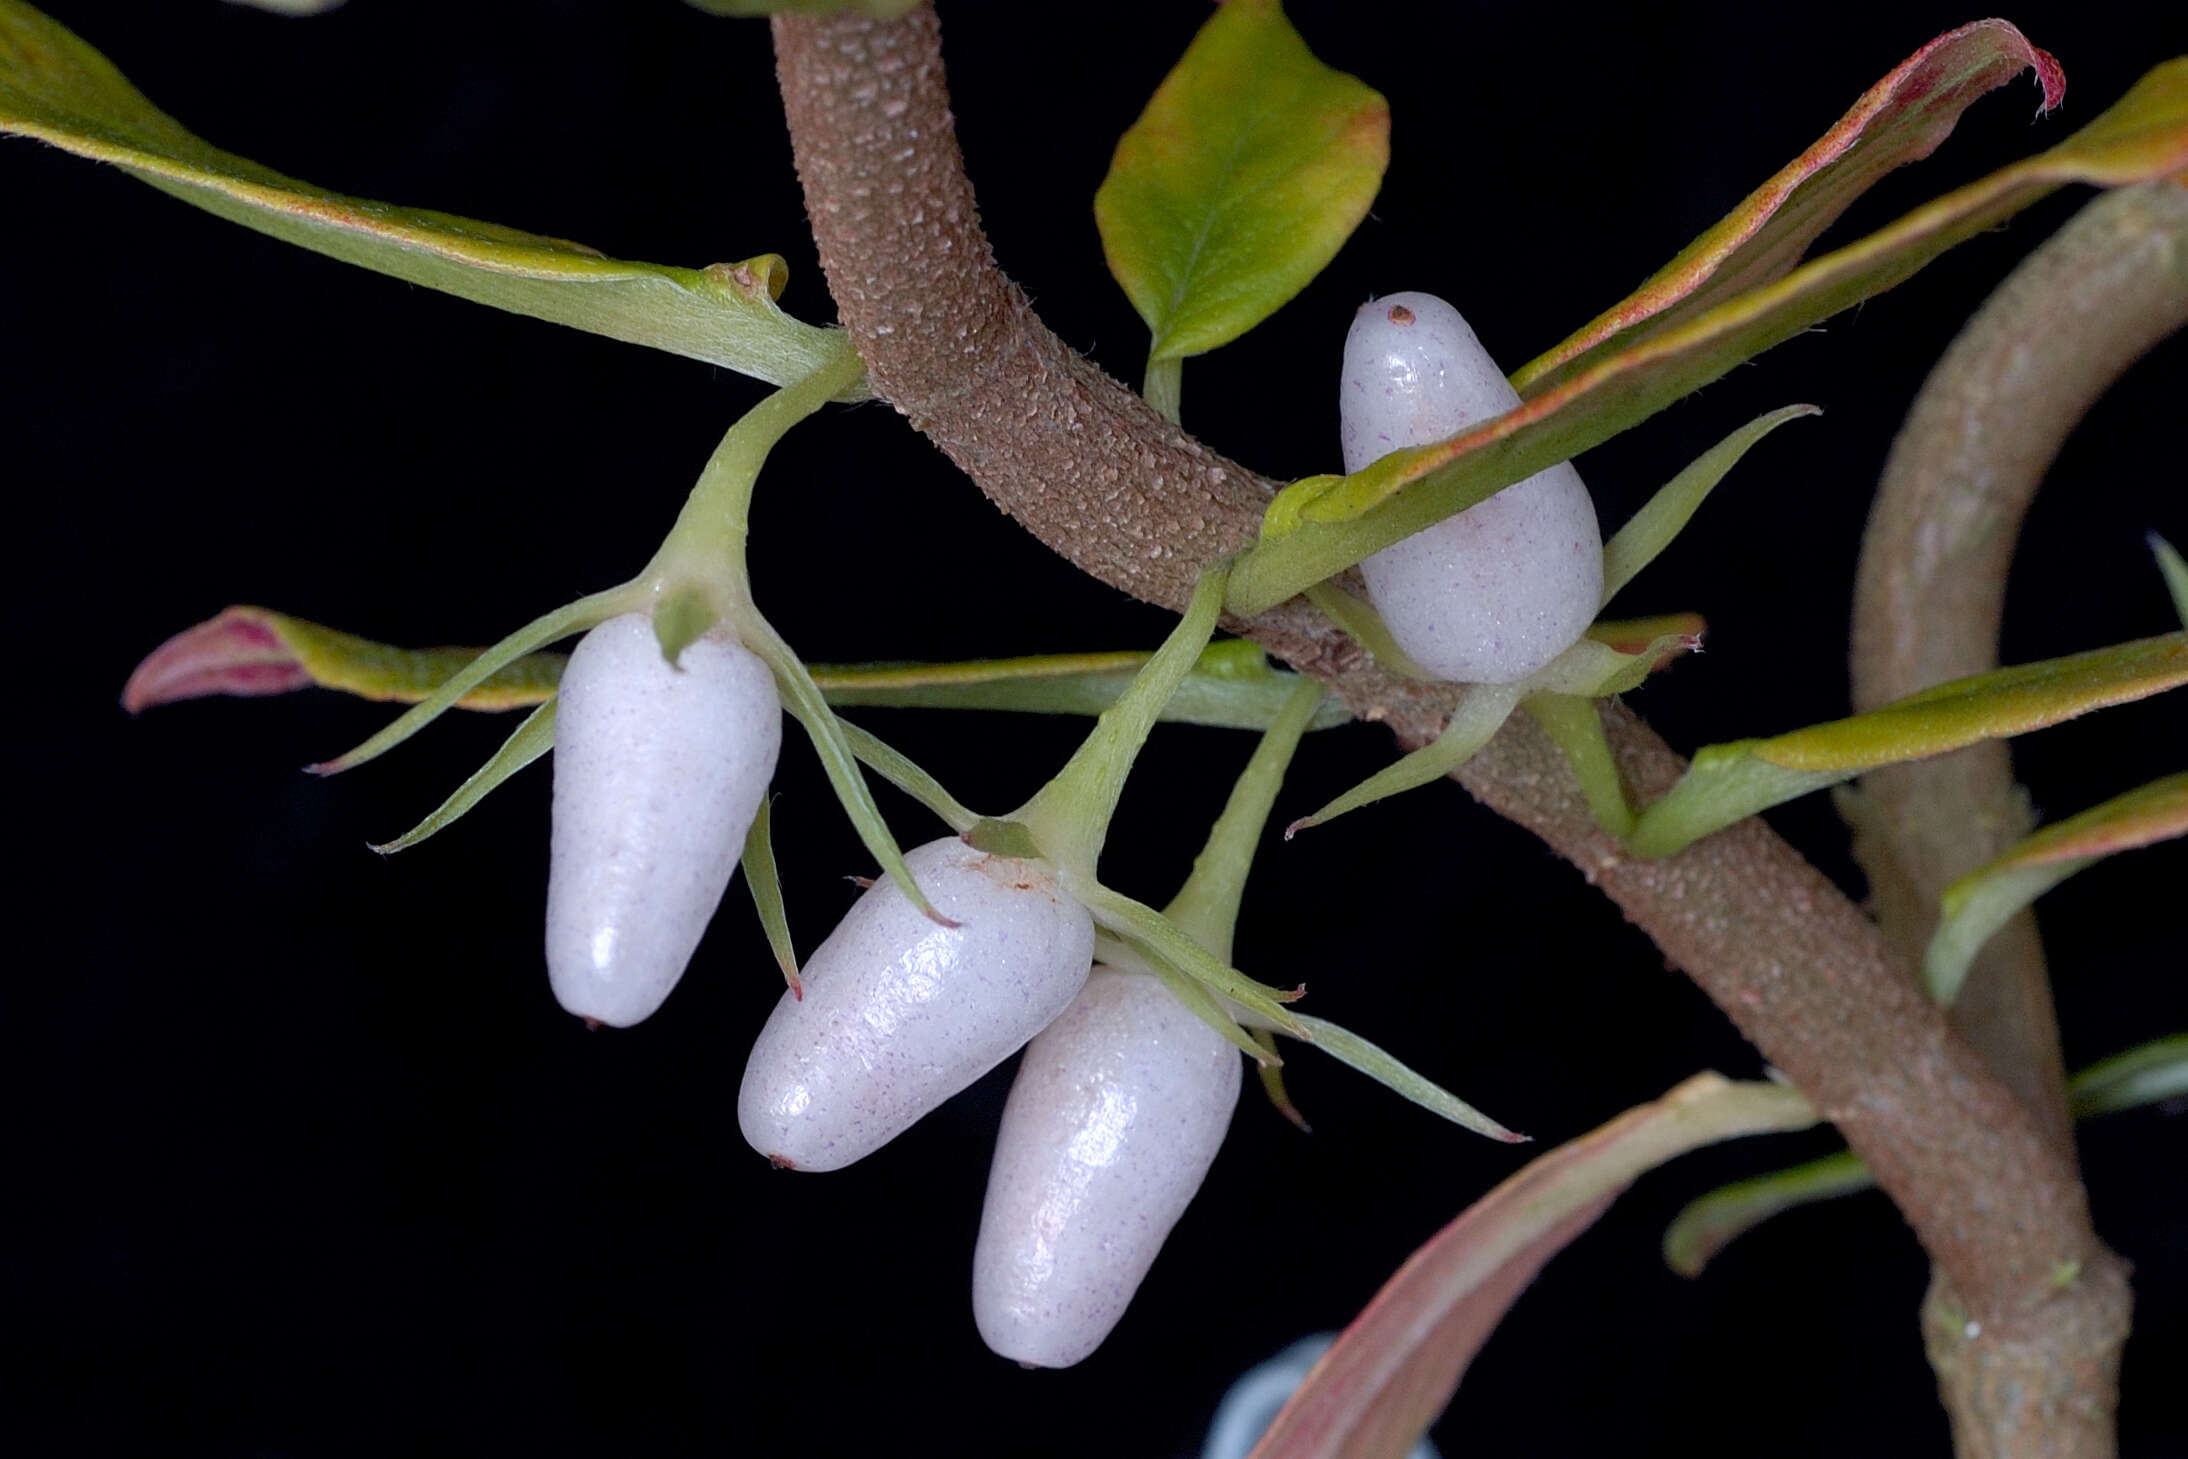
901	1012
1494	593
1115	1117
659	771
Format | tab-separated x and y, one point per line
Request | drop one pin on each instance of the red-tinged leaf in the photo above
1632	635
254	651
1901	119
1384	1381
1317	527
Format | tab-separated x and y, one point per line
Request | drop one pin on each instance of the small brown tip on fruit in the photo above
781	1164
592	1025
1029	1367
1399	314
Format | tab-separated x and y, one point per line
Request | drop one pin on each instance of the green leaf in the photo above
1978	904
1481	713
1652	529
1188	990
1250	167
1318	527
1271	1070
531	739
1901	119
250	651
59	90
2176	575
1729	782
899	771
765	883
1395	1368
1160	940
1356	1052
2144	1075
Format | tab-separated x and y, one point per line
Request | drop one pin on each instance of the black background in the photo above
305	1161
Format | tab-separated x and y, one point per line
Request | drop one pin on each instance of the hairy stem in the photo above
1929	598
1091	470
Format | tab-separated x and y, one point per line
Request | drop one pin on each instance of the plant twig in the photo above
1929	597
1091	470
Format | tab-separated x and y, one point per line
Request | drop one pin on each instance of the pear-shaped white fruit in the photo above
1490	595
901	1012
1116	1115
659	771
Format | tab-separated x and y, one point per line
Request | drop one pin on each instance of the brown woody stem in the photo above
1929	598
1091	470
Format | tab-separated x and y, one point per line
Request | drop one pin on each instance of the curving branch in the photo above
1929	597
1089	469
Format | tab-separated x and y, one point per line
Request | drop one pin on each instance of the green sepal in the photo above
764	881
530	740
1271	1071
1575	725
577	617
1481	713
1205	1006
680	620
897	768
1002	838
1729	782
1348	1048
1160	940
2142	1075
1665	515
802	698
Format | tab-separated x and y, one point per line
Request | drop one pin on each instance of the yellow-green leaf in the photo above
1250	167
1731	781
1901	119
59	90
2142	1075
1320	526
1981	902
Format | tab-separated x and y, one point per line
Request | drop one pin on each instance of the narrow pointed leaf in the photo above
59	90
1250	167
530	740
246	650
557	623
765	883
1593	669
1731	781
802	699
1394	1369
1901	119
1271	1070
1348	1048
1318	527
1163	941
2176	575
1636	635
1649	531
1479	716
251	651
2143	1075
1978	904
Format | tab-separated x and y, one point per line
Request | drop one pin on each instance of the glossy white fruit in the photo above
658	774
1117	1113
901	1012
1491	595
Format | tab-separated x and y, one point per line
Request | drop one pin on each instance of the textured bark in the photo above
1093	472
1930	595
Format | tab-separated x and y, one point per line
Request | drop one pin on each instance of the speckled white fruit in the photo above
658	773
1117	1113
901	1012
1494	593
